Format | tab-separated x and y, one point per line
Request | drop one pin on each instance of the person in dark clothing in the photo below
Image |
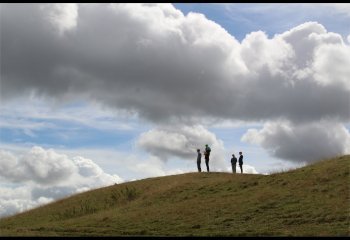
206	155
199	158
233	163
240	161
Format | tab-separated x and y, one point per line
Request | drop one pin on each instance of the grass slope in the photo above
309	201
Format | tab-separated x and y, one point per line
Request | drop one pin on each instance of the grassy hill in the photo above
309	201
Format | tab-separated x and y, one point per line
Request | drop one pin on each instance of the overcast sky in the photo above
97	94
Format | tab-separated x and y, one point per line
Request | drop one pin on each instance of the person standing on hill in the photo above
240	161
199	158
233	163
206	155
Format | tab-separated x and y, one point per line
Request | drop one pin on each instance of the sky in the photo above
97	94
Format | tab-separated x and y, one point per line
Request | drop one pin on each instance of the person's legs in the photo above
207	163
241	167
233	168
199	166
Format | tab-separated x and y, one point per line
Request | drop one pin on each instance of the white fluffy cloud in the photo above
63	16
301	142
19	199
247	169
331	66
47	168
40	176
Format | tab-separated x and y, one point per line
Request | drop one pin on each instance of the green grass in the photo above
309	201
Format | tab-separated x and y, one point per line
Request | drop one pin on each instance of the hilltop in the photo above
309	201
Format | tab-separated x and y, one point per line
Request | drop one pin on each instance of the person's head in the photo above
233	155
240	153
206	145
198	150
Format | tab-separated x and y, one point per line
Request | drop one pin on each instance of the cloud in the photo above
37	114
301	142
127	64
341	7
40	176
331	66
21	198
247	169
38	165
90	170
14	200
155	167
46	167
63	16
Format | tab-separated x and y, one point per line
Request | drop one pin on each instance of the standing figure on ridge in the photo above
199	158
240	161
206	155
233	163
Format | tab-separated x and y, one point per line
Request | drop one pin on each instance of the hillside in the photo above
309	201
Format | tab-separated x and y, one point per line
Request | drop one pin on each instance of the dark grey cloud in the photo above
155	61
302	142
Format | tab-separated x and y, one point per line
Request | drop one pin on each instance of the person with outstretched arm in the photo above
206	155
240	161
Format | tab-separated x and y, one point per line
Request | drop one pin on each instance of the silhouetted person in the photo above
233	163
206	155
240	161
199	158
